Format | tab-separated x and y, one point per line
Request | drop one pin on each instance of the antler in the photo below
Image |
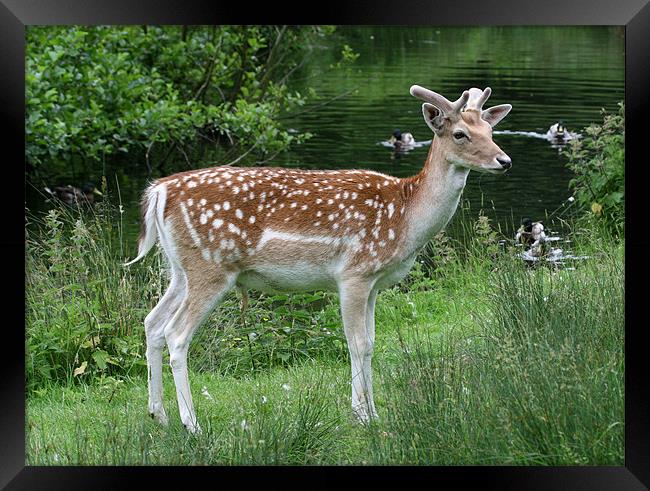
477	98
441	102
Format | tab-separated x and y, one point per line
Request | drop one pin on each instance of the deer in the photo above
274	229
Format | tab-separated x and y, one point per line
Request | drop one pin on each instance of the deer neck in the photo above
434	196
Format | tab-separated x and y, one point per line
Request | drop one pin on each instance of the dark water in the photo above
547	74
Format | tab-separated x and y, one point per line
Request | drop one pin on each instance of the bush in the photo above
598	161
93	92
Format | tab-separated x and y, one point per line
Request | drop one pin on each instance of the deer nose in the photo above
505	161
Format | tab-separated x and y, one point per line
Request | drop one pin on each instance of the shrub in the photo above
93	92
598	161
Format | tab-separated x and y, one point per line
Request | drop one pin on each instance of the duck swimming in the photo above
71	195
558	133
402	140
531	235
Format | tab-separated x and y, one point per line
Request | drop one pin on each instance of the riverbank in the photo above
479	359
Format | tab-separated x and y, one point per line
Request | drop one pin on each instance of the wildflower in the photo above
571	199
252	336
264	400
244	425
286	387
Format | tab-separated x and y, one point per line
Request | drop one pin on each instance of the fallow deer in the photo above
275	229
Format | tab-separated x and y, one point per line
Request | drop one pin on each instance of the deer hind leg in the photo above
199	301
355	297
154	325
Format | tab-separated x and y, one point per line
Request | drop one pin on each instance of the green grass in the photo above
479	359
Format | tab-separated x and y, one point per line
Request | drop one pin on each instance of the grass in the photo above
478	360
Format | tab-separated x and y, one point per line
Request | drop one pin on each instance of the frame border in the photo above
634	14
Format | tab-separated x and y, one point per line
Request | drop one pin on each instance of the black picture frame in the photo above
633	14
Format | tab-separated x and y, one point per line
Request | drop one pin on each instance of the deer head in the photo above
464	129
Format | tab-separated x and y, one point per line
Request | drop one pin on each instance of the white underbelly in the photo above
302	276
395	274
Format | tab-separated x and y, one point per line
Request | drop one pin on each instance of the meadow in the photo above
479	359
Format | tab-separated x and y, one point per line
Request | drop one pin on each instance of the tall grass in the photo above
480	359
541	382
85	310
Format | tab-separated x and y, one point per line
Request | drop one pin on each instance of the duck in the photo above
402	140
71	195
532	236
558	133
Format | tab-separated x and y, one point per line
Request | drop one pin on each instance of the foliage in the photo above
539	381
94	92
85	310
275	330
598	161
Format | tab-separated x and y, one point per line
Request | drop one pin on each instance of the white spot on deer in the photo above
217	223
251	219
191	184
330	201
190	227
206	254
239	214
203	219
234	228
203	202
190	202
318	201
391	209
316	224
294	204
391	234
235	190
303	207
226	205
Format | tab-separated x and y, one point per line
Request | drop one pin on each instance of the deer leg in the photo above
354	297
154	325
367	362
199	301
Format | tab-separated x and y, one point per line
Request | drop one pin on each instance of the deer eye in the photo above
459	135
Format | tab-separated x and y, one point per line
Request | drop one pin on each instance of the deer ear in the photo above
433	117
496	113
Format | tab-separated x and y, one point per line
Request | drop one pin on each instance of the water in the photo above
547	74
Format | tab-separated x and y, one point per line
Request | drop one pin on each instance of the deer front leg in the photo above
370	329
355	296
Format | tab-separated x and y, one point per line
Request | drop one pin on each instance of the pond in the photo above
548	74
